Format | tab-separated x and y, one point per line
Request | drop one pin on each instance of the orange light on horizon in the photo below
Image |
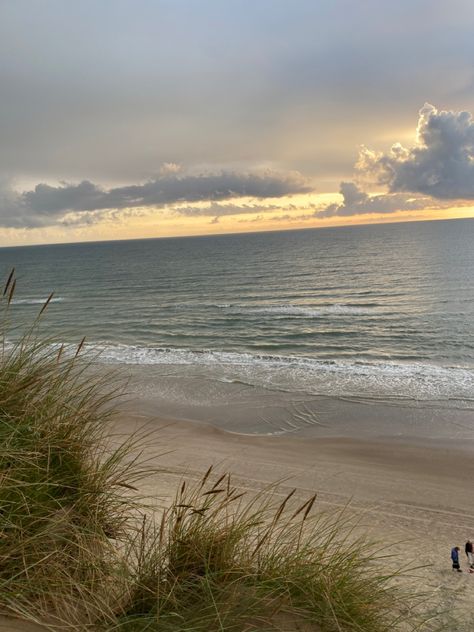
296	212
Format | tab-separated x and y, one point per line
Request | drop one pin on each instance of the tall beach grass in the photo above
221	561
62	505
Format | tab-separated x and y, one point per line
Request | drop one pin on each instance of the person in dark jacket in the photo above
468	549
455	558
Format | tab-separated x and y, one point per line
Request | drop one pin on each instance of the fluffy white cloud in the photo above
440	164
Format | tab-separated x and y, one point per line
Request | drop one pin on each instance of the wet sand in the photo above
243	408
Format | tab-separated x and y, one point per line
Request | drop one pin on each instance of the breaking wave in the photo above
37	301
341	378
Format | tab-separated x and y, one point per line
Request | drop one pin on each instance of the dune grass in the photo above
74	555
61	500
220	561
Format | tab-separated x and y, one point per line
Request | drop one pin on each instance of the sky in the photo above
146	118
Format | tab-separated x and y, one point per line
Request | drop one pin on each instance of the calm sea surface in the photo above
376	312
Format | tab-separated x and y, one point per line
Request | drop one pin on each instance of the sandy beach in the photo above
412	498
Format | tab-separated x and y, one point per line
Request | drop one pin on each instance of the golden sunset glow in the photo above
167	224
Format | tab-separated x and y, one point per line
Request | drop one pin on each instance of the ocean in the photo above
310	323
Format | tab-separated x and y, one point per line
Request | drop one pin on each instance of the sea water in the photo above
379	314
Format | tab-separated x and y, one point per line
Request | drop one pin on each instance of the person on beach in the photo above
468	549
455	558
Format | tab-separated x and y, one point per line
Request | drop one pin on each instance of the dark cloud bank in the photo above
356	202
46	205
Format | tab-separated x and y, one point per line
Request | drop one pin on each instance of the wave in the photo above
342	378
307	311
37	301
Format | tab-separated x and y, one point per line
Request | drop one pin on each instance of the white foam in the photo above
37	301
415	380
306	311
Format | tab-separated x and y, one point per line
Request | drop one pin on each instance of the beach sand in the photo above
414	498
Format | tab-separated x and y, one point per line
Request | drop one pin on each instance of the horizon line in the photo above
225	234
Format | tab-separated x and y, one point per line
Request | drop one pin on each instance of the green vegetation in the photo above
221	562
61	490
78	551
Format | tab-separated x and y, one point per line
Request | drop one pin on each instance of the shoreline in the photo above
261	411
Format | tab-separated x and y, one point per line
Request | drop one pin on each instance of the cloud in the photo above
169	168
272	219
216	211
440	164
357	202
220	210
47	205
